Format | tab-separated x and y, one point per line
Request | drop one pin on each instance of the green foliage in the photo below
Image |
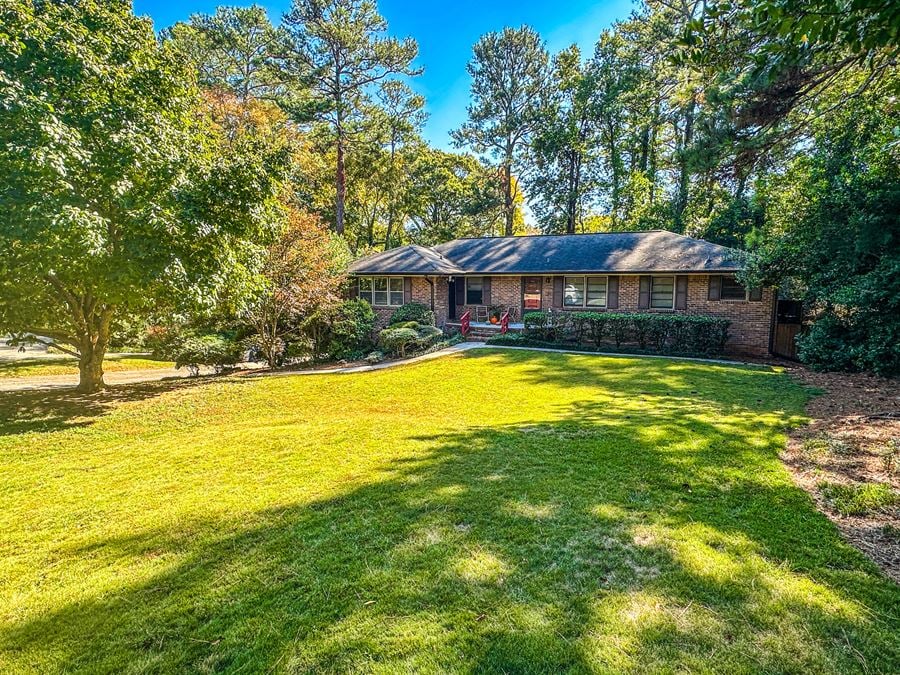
833	233
193	351
351	329
340	50
660	333
413	311
509	71
857	500
120	194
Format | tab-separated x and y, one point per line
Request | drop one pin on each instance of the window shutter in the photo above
612	292
755	294
460	291
681	288
407	290
354	288
557	291
486	291
644	293
715	287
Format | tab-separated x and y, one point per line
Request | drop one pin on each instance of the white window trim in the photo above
466	298
584	295
372	292
653	278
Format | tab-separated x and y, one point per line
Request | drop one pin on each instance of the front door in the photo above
451	300
531	294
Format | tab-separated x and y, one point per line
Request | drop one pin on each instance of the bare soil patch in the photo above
852	445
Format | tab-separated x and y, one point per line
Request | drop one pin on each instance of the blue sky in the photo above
446	32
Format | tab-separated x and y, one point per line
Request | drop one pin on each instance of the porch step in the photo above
480	331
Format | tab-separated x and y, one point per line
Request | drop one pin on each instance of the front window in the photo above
596	291
381	291
474	290
662	292
585	292
574	292
732	290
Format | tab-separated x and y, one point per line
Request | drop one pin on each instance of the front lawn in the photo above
69	366
504	511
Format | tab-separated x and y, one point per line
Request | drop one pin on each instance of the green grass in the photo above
857	500
490	511
69	366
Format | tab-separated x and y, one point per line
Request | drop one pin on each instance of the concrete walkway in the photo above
41	382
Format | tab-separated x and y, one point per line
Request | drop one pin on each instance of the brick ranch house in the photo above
654	271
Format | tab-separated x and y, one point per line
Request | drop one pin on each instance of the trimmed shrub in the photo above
659	333
398	340
413	311
409	335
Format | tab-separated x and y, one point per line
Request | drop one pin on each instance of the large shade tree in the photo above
119	194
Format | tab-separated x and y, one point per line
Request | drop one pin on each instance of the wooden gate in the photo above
788	323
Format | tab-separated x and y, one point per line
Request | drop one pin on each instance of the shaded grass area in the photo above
491	511
69	366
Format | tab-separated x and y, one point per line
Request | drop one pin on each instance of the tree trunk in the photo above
93	342
341	188
572	201
508	199
90	370
683	168
508	205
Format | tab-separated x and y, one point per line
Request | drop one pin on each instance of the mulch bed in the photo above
856	418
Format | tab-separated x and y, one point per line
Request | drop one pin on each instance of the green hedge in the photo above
657	333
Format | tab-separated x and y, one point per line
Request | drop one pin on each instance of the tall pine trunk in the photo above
508	198
340	187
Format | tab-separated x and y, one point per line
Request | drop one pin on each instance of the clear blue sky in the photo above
446	32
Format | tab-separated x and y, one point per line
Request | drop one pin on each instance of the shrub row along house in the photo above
648	272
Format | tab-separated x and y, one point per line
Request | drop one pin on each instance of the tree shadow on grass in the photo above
50	410
591	542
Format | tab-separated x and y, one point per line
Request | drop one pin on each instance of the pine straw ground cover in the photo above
504	511
69	366
848	459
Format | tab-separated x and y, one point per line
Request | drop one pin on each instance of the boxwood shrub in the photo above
657	333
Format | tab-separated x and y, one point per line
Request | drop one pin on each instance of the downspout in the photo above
431	283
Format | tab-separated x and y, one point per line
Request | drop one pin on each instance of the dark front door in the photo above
451	300
531	294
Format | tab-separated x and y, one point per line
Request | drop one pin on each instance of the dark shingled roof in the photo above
613	252
411	259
